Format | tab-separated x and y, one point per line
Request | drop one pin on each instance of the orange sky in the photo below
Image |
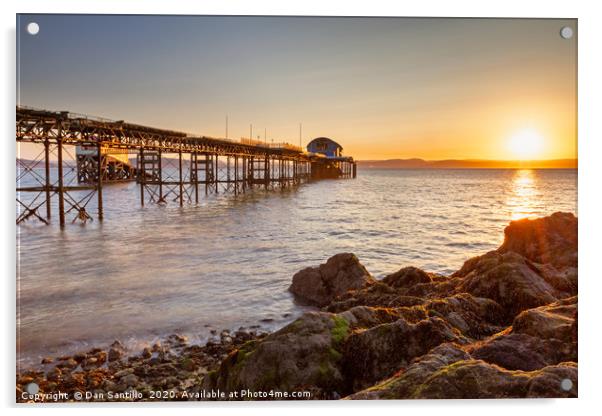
383	88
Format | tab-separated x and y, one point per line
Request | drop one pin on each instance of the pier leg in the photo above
47	175
250	174
244	174
160	175
99	172
216	173
208	174
141	175
196	176
235	175
295	171
266	172
180	178
61	190
228	172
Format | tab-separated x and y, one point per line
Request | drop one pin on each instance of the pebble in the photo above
115	354
147	353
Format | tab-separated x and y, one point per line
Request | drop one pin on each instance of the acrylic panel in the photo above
295	208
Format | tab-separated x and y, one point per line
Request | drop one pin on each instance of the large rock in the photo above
377	294
554	321
320	285
476	379
402	385
412	281
368	317
377	353
473	316
509	279
407	277
304	354
544	383
551	239
524	352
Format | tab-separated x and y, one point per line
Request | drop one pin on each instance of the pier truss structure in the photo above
77	155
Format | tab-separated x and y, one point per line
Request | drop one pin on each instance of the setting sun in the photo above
526	144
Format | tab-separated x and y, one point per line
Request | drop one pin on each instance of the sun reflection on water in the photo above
523	199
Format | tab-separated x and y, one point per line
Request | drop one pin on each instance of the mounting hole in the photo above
566	384
566	32
32	388
33	28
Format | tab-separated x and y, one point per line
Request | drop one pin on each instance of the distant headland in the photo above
467	164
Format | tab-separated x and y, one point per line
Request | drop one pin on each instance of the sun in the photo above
526	144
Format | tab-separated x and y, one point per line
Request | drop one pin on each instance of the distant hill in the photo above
467	164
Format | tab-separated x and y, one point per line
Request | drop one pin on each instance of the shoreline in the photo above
506	319
162	365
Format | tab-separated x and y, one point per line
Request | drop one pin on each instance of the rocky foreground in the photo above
504	325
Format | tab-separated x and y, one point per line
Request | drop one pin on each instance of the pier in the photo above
79	154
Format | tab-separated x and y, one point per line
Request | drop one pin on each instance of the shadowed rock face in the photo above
476	379
504	325
321	285
407	381
379	352
554	321
377	294
305	353
550	239
407	277
524	352
508	279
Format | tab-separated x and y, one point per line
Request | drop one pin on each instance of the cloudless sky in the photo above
382	87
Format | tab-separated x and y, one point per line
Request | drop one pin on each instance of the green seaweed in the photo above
340	330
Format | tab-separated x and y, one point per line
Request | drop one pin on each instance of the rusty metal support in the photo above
216	173
47	176
266	172
244	174
99	180
195	171
181	184
235	175
61	189
141	175
160	176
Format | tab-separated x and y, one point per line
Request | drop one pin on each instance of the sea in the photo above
227	262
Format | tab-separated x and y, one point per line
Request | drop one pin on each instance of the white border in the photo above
590	229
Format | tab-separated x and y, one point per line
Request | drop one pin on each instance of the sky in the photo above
384	88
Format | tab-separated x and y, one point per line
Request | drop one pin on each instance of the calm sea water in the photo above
227	262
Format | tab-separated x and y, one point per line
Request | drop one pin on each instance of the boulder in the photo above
306	353
554	321
508	278
473	316
403	384
476	379
407	277
524	352
545	383
368	317
320	285
377	294
551	239
379	352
